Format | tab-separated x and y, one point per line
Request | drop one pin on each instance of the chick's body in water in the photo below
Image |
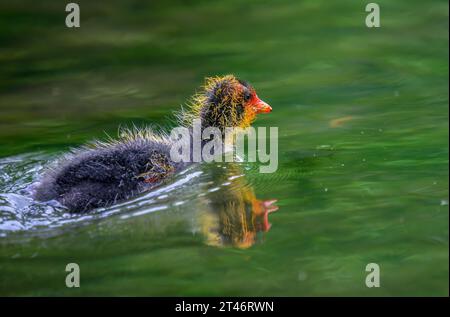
104	173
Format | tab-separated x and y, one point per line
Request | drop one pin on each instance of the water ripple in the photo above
20	213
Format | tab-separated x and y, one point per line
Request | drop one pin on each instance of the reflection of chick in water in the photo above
233	215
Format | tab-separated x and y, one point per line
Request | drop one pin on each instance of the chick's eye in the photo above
247	96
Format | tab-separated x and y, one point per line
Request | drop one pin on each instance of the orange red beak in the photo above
260	106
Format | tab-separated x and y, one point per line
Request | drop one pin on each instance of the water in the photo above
363	149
